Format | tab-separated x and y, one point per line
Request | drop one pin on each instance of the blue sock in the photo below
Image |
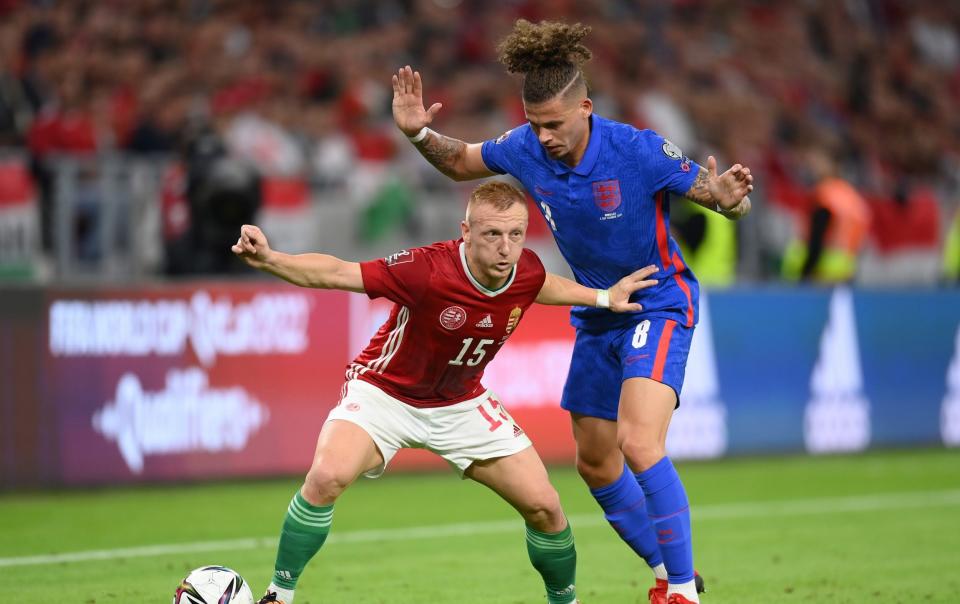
625	508
670	512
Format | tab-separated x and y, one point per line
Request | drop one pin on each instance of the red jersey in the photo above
444	327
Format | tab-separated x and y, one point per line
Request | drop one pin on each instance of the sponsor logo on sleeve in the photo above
400	257
671	150
503	137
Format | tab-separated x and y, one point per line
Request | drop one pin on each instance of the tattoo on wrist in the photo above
441	151
698	190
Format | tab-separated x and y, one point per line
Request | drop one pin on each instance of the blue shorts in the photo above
653	347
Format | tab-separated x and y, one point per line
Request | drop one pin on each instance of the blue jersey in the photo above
610	215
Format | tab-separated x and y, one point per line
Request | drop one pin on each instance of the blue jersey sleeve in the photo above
501	154
665	165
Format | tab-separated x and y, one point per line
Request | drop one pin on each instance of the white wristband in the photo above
603	298
420	135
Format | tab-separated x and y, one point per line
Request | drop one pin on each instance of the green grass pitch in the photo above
881	527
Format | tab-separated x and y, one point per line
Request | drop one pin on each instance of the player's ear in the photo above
586	107
465	231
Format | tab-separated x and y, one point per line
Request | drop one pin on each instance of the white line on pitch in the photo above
754	509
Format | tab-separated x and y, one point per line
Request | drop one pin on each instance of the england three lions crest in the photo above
606	195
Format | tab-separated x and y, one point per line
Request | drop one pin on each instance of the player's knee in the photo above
324	484
641	455
599	473
542	511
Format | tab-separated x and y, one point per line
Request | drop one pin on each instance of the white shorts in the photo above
473	430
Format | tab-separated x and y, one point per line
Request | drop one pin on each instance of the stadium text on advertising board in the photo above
267	324
186	415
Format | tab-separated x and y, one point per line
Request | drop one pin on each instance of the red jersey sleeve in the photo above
401	277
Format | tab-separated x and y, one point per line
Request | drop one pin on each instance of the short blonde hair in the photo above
497	194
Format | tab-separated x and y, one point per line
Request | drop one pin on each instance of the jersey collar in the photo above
483	290
589	159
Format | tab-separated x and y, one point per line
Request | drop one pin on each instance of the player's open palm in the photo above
408	111
729	188
621	291
252	246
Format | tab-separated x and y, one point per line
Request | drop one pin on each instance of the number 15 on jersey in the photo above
475	357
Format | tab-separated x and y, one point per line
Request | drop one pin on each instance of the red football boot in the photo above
658	593
678	599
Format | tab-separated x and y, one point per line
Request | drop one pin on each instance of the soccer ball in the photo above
213	585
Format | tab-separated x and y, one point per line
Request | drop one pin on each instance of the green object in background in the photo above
951	251
878	527
834	265
714	262
390	209
16	272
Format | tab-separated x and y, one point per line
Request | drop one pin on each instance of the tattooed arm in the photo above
725	193
455	158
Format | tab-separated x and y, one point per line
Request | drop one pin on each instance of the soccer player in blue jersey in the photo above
603	187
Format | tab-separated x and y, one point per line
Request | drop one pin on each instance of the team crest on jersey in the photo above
503	137
399	257
514	319
606	195
453	317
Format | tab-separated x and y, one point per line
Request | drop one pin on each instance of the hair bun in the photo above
548	44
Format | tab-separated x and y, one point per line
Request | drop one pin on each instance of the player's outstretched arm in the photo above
306	270
453	157
725	193
560	291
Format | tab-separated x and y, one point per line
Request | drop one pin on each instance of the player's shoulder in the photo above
424	254
648	144
615	130
517	137
529	260
624	138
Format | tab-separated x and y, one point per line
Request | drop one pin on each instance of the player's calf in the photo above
555	558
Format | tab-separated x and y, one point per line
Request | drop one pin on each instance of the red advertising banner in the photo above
215	380
200	381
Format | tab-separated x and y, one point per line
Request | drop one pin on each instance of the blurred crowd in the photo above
863	90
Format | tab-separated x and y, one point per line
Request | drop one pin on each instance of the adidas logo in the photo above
485	322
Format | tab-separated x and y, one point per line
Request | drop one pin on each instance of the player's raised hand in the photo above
622	289
408	111
728	189
252	246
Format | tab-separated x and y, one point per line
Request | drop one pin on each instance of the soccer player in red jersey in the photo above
417	383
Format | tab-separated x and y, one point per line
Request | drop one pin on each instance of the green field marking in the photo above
753	509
